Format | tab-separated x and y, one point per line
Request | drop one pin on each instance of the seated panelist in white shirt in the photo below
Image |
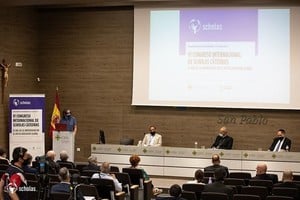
152	138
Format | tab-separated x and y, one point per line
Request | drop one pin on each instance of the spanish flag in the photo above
55	114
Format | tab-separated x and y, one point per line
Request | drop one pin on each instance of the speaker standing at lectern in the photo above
152	138
69	120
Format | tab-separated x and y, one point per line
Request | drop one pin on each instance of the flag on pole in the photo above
55	114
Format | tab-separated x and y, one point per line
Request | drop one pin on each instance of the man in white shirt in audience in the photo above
105	169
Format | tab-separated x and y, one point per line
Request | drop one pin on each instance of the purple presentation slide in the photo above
218	26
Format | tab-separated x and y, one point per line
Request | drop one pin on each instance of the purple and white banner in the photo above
27	122
218	26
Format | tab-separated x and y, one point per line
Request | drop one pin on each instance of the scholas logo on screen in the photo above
17	102
195	26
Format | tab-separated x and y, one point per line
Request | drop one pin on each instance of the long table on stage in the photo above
182	162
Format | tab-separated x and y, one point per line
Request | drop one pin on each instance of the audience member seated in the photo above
223	140
216	165
152	138
64	186
105	174
218	185
64	159
261	173
3	159
198	177
27	166
134	161
93	165
175	192
53	166
287	178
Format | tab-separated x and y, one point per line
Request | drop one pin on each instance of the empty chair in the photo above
137	178
130	189
80	166
285	191
214	196
259	182
106	189
59	196
237	182
188	195
114	169
246	197
89	173
136	175
86	191
193	187
241	175
126	141
264	183
30	176
53	178
68	165
234	181
261	191
278	198
74	171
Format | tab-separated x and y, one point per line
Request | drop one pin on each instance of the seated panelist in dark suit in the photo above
218	185
223	140
280	142
216	165
64	186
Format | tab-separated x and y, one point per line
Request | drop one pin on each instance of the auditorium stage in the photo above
181	162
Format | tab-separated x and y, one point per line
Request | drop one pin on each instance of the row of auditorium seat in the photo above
132	180
259	188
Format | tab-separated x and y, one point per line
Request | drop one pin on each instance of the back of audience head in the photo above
287	176
18	152
261	168
199	175
134	160
105	167
92	160
64	174
63	156
50	155
175	190
215	159
220	174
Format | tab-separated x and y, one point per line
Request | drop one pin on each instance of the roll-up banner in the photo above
27	123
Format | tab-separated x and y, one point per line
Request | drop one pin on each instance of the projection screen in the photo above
217	57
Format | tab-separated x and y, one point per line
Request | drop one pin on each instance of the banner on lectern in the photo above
63	140
27	123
